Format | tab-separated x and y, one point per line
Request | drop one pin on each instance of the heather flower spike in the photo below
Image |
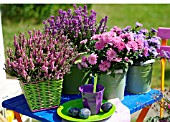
40	57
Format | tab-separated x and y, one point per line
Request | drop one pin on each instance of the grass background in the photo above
150	15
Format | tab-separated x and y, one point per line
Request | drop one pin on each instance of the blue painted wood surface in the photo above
134	102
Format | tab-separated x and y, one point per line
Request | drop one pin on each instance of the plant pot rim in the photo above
148	62
141	65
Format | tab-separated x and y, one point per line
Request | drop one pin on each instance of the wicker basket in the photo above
42	95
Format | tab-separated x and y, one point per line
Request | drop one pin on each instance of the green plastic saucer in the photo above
77	103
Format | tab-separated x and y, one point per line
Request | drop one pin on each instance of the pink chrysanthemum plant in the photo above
40	57
111	53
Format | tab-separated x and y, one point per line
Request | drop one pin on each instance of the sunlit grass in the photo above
150	15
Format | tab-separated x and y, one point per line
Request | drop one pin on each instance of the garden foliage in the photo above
36	12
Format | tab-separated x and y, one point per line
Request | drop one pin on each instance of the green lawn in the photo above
127	14
118	14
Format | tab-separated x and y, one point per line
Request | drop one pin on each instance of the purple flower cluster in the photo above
150	43
40	57
78	25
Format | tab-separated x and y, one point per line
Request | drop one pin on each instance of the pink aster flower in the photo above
133	45
92	59
121	45
122	35
116	40
106	38
99	45
128	36
111	54
105	65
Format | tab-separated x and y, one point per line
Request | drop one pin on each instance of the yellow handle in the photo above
163	61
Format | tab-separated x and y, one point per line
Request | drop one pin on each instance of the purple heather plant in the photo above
40	57
78	25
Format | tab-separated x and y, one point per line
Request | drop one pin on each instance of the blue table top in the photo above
134	102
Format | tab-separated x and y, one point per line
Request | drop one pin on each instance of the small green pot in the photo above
114	86
139	79
75	79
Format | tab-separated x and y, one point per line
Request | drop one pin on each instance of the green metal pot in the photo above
114	86
75	79
139	79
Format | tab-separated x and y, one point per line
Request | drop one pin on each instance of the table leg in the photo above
18	117
142	114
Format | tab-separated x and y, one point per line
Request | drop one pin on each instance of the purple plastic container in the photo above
92	100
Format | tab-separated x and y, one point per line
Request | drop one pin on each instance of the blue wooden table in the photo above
134	102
